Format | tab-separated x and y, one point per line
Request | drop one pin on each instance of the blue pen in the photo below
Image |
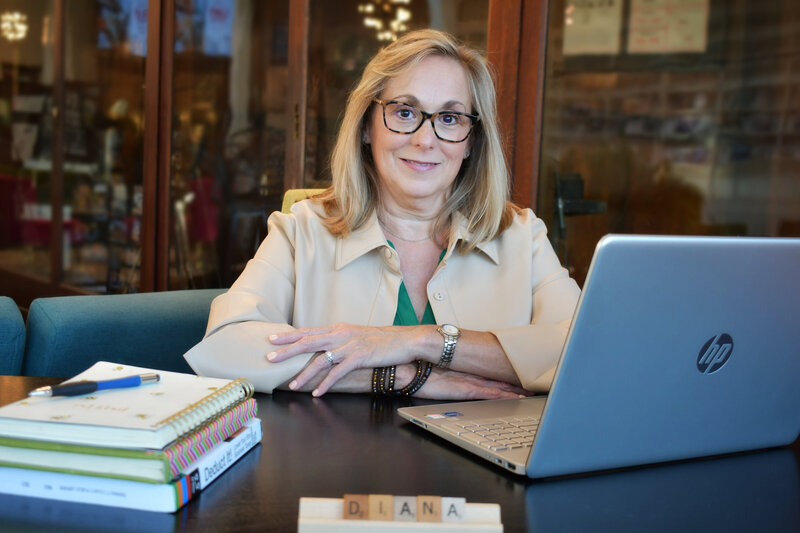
78	388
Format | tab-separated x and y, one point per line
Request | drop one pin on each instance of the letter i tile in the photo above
381	507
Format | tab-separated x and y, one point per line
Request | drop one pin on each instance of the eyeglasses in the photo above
449	126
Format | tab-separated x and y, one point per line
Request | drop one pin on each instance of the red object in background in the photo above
203	211
15	192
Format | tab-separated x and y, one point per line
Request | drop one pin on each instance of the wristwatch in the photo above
451	335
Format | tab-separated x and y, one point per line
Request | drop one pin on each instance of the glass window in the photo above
104	68
229	134
101	160
26	92
670	117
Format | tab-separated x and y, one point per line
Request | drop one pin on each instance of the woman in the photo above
412	273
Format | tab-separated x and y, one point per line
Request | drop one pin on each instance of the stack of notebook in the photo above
151	447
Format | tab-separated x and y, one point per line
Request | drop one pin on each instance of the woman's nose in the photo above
424	136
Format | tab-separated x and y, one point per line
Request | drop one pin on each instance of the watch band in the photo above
450	333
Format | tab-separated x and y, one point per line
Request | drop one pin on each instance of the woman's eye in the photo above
406	113
448	119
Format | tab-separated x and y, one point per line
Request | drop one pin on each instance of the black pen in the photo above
78	388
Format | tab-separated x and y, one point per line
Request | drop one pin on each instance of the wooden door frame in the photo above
516	48
157	149
530	101
297	97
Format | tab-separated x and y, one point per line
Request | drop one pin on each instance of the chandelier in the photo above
14	25
387	17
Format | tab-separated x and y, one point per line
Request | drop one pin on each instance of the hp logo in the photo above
714	353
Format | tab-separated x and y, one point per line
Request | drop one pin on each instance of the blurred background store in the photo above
143	144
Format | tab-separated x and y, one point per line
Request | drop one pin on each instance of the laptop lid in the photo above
681	347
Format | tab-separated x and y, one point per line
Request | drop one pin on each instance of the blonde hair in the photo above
481	189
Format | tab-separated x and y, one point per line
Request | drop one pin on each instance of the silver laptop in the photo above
680	347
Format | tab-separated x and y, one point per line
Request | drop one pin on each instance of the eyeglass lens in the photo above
404	118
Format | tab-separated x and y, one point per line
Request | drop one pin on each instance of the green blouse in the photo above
405	314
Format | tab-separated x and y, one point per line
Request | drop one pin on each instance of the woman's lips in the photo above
420	166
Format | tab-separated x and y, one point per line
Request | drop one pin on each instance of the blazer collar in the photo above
360	242
461	232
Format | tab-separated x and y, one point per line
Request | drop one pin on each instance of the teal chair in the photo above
66	335
12	337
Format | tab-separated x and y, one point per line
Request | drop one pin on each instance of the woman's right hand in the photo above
452	385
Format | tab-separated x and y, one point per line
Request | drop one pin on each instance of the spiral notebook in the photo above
150	416
154	466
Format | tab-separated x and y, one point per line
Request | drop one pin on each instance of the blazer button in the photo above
439	295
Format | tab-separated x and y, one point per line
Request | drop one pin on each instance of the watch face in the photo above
450	329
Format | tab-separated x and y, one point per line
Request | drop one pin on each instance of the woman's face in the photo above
418	169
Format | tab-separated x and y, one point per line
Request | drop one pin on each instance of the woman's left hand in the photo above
351	347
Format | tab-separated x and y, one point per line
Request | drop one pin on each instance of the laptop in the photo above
680	347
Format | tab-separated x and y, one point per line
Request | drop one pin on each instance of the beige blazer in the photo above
301	275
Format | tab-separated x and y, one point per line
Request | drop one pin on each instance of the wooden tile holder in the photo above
324	515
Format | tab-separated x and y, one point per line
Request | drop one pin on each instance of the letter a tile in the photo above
405	508
453	509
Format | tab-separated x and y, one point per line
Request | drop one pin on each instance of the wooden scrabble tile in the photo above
381	507
356	507
405	508
453	509
429	508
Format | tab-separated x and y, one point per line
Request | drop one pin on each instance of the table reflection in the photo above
751	492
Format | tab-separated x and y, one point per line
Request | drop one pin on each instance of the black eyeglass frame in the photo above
427	116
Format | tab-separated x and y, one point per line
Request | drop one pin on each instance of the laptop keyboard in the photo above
496	434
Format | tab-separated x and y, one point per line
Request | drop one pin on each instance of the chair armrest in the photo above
66	335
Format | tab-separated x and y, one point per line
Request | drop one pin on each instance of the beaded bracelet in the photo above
388	379
423	371
377	377
383	380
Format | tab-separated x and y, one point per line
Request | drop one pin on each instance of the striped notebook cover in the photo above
155	466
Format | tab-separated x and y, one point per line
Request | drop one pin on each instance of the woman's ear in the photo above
469	148
366	135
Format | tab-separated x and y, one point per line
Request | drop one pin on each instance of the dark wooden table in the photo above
354	444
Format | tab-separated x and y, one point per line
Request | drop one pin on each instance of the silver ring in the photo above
329	357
